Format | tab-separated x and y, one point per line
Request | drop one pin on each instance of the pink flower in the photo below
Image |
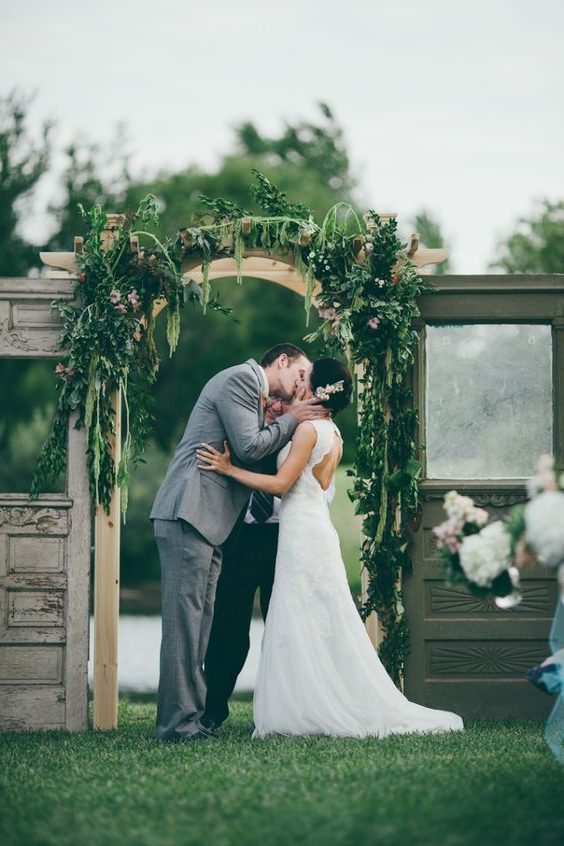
65	373
453	544
121	308
374	322
448	534
327	313
134	299
115	296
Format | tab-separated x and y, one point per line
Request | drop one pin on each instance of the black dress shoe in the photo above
210	724
186	738
204	734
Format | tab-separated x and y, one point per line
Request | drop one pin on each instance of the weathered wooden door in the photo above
489	383
44	551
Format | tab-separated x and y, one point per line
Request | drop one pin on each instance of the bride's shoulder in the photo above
325	425
307	430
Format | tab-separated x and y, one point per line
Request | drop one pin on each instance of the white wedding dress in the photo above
319	672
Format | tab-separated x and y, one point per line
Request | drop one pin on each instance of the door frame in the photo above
479	299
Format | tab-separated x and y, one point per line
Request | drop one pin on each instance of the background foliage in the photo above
367	292
307	160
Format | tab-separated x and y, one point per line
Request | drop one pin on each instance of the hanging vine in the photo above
367	300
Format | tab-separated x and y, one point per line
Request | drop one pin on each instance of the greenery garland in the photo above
367	301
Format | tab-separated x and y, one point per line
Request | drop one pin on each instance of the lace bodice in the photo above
306	484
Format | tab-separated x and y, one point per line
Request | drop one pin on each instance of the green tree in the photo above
309	162
92	174
537	244
431	236
23	161
312	147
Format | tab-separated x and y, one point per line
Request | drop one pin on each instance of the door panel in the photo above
44	551
488	382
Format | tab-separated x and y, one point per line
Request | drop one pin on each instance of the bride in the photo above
318	673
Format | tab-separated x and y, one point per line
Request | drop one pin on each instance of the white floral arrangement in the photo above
542	538
476	553
488	557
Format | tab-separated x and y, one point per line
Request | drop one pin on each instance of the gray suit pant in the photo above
190	568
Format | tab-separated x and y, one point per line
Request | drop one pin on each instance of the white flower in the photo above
485	555
544	521
324	393
544	478
458	506
462	508
479	516
545	463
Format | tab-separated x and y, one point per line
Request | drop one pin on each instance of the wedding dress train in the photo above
319	672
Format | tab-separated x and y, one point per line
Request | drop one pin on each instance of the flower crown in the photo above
325	393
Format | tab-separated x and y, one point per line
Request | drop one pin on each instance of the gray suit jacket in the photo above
229	409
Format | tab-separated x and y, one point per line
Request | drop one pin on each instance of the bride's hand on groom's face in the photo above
277	406
219	462
307	409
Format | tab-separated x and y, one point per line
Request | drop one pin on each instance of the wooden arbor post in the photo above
106	573
106	532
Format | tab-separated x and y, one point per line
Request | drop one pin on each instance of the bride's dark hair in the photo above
328	371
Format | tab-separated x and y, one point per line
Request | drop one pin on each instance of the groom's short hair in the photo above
291	350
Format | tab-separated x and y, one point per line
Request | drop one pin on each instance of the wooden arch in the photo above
274	267
256	264
280	268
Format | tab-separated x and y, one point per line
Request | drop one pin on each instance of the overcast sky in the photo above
451	106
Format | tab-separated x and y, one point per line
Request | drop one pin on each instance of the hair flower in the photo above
323	393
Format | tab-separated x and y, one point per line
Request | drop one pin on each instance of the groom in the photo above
194	513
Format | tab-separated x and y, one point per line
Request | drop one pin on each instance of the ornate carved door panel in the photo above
44	552
490	387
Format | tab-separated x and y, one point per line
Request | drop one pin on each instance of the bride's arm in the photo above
303	442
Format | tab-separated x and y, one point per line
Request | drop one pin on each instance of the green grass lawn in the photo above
496	783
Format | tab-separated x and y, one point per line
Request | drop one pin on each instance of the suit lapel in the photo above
261	409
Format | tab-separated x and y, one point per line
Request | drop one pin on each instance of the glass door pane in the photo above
488	404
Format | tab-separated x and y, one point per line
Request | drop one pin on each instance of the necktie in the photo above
262	504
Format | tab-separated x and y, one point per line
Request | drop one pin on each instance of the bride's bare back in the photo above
325	470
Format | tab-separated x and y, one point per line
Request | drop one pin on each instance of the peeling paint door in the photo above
44	552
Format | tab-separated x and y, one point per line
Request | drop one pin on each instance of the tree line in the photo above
309	160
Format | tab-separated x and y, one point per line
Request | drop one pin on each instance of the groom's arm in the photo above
237	405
